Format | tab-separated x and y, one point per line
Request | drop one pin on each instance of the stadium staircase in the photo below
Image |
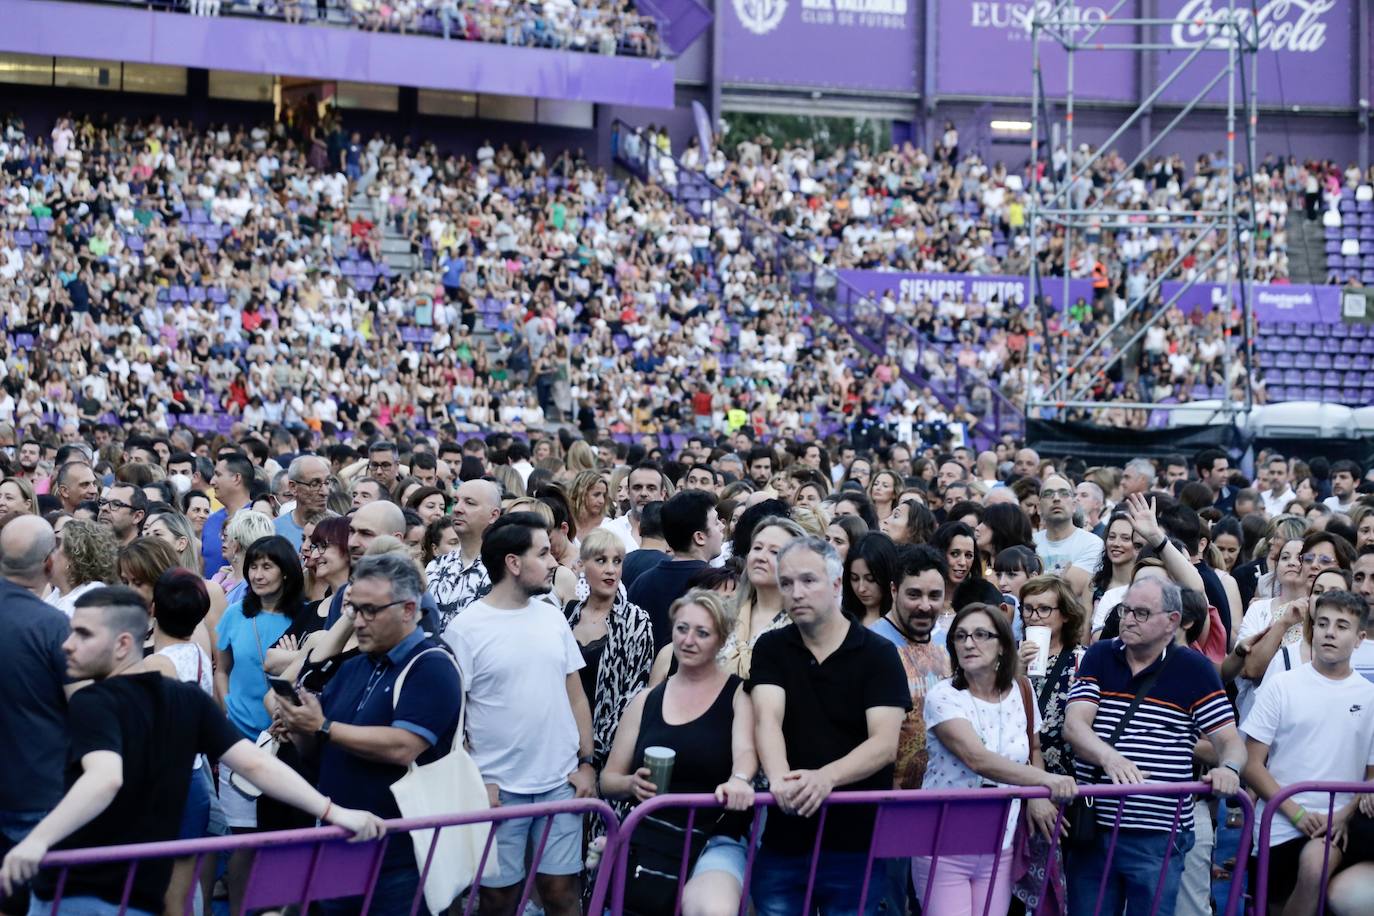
1306	250
845	308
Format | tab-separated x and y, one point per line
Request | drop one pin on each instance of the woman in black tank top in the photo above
702	713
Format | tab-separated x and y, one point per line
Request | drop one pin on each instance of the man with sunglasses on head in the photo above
363	736
1166	694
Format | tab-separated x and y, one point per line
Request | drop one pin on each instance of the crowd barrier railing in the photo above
931	824
300	867
1266	825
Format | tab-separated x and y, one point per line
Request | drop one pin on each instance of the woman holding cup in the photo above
696	730
1053	620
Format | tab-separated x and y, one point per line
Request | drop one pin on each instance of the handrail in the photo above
800	255
1266	824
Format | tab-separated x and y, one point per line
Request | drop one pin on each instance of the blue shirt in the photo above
361	694
249	639
286	526
212	542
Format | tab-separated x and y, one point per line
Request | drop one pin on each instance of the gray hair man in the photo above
308	483
1138	477
829	667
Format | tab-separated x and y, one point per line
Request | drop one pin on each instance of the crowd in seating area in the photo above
811	616
600	27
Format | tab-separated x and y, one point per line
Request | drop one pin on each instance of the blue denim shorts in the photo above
724	853
518	838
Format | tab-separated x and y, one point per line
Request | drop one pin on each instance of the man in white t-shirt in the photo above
1313	723
529	722
1065	550
1345	475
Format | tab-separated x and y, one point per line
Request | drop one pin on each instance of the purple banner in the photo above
1273	301
983	48
257	46
962	287
839	44
680	22
1308	50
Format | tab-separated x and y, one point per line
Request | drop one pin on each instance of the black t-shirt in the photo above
157	726
656	589
826	717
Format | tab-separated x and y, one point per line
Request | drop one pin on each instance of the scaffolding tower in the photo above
1228	54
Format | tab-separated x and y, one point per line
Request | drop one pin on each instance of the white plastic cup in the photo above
1041	637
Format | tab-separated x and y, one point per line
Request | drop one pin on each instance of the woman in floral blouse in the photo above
1049	601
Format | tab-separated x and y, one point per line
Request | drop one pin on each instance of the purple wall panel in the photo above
983	48
255	46
822	44
1308	50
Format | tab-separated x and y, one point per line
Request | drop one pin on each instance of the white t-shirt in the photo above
1362	661
1082	549
1336	505
1317	729
515	665
1001	726
1106	604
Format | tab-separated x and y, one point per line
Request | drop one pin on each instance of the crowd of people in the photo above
604	27
802	616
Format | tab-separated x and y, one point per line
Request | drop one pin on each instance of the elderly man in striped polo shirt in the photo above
1181	696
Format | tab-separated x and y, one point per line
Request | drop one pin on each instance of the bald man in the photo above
32	692
459	578
371	522
1026	463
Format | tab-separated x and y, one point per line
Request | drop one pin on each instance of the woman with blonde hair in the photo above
588	495
615	637
16	498
85	559
240	532
177	531
581	457
758	602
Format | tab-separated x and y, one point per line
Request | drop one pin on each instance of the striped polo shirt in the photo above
1188	699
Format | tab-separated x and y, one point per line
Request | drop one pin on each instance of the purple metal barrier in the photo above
303	866
1266	825
930	824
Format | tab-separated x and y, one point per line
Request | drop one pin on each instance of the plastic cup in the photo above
1041	637
659	761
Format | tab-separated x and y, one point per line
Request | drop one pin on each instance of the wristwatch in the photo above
585	761
322	732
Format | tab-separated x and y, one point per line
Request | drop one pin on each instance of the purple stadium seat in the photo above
1311	393
1321	361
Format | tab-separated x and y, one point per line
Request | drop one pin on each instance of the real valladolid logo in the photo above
760	16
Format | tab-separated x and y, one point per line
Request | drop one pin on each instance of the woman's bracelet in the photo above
1295	819
742	778
328	806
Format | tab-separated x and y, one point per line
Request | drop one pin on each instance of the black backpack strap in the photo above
1140	694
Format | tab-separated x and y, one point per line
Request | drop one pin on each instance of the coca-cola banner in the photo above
821	44
983	48
961	287
1307	49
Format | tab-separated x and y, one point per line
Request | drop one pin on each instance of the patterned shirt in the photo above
1187	700
926	664
455	586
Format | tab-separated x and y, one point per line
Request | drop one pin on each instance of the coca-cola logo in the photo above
1278	25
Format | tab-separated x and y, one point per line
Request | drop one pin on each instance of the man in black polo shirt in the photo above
133	739
694	532
829	698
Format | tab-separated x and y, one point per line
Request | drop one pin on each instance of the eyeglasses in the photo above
381	465
312	484
316	547
1312	559
1056	494
113	504
963	636
368	612
1141	614
1037	611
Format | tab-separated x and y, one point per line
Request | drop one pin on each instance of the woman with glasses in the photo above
981	728
1048	601
327	547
